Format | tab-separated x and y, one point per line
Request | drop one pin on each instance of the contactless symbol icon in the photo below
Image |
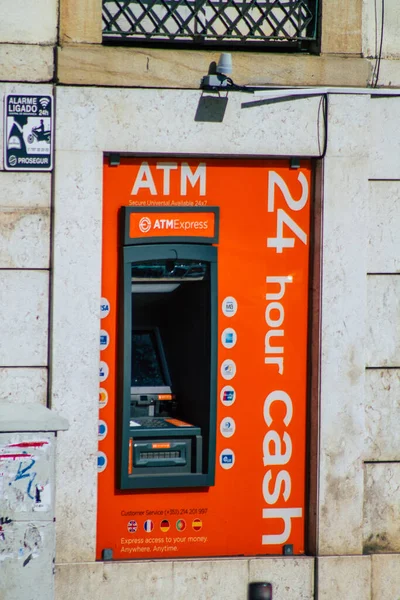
132	526
227	427
145	224
148	525
104	308
228	337
227	395
228	369
227	458
181	525
229	306
104	339
101	462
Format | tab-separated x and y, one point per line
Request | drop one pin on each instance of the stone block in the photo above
23	386
26	559
384	138
342	27
24	238
92	64
25	22
344	577
79	581
389	72
75	347
134	581
80	21
24	220
343	356
144	120
385	576
382	508
24	297
349	118
291	578
24	62
383	332
382	414
206	580
25	190
372	17
383	227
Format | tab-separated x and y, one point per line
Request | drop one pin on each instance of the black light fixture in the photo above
260	590
219	80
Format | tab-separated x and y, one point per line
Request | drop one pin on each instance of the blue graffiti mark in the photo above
23	472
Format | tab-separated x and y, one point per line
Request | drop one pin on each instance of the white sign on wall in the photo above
28	132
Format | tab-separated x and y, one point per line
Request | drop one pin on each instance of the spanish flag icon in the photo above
197	524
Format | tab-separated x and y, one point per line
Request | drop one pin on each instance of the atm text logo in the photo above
172	224
176	224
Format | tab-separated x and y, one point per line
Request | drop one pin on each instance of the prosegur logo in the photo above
145	224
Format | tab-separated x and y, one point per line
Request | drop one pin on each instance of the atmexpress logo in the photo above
145	224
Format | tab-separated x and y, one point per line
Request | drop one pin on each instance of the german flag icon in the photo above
164	525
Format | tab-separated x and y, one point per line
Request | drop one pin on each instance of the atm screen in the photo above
149	369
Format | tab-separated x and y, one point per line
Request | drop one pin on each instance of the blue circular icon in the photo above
227	458
101	462
102	430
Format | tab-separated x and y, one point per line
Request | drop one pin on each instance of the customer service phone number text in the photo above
186	511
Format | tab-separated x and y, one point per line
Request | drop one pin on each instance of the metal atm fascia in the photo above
155	251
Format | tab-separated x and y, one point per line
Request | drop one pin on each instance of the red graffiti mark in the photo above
15	456
27	445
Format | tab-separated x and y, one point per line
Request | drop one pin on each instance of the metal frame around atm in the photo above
137	253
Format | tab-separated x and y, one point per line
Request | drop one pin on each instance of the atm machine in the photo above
167	357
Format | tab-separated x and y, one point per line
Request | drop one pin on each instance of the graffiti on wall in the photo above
20	540
25	489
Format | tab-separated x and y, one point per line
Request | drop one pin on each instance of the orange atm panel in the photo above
254	503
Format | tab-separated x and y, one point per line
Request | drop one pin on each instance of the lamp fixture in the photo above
224	66
220	79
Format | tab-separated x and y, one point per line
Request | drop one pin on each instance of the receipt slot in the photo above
168	348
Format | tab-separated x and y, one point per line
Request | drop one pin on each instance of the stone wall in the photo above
50	271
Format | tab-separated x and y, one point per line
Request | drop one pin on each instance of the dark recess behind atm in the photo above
183	317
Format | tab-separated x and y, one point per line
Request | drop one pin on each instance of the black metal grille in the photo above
236	22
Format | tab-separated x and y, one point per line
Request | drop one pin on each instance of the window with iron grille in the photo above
279	23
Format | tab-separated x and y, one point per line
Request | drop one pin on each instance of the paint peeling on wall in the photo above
22	541
25	473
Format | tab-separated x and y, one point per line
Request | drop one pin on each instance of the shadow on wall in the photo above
211	108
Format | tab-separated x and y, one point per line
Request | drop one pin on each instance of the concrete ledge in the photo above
220	578
30	417
143	67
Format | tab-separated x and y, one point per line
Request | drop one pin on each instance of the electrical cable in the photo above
324	106
375	75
